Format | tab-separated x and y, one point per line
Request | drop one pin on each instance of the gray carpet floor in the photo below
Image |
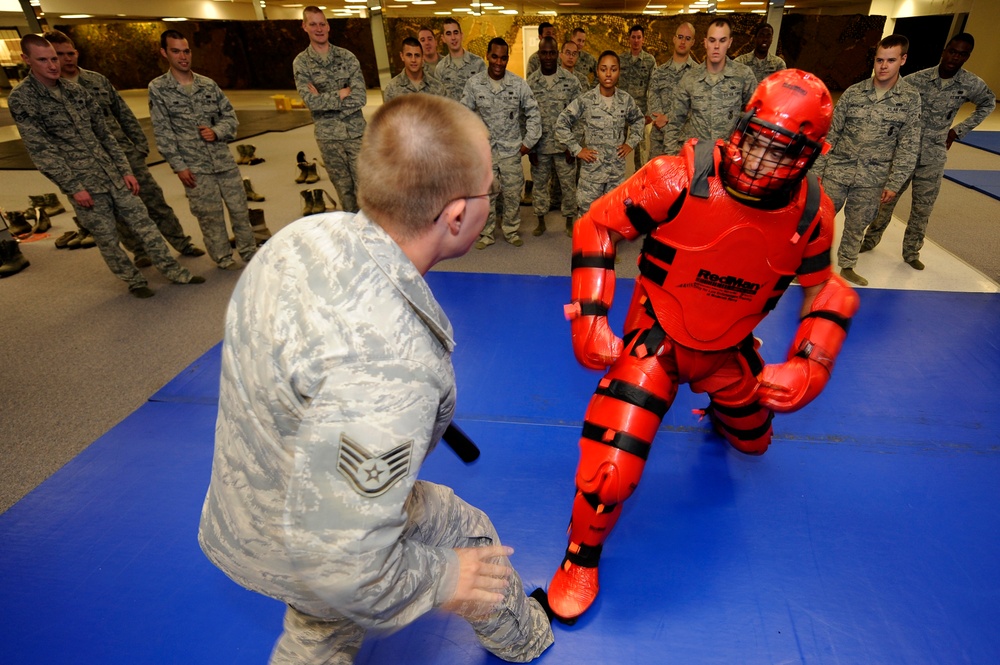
78	353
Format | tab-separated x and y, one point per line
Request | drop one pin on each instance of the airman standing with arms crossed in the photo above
874	140
943	90
329	80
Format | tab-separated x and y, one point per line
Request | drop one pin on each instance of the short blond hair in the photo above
418	154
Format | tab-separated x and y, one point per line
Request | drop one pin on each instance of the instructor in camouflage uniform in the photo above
943	90
336	383
64	132
874	139
329	80
505	103
132	140
554	88
194	122
710	97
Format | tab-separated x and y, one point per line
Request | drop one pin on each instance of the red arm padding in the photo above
593	291
790	385
653	189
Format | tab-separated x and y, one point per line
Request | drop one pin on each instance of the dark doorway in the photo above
927	35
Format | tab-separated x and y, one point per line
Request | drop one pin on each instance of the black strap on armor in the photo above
593	261
830	316
587	556
636	396
594	501
704	168
620	440
592	308
749	353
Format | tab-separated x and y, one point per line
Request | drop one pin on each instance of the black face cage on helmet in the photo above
769	176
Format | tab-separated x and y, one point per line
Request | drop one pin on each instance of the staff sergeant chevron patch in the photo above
372	476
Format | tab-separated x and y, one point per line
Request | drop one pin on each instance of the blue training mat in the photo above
984	140
866	534
984	182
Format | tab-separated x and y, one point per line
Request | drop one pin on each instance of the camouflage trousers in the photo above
860	206
517	631
926	181
641	153
588	191
508	181
655	142
206	199
159	210
341	160
541	173
100	221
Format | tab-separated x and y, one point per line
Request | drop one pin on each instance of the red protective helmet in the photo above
780	134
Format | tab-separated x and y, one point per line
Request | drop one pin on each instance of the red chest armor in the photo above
717	268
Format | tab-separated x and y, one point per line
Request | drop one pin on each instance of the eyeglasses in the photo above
461	198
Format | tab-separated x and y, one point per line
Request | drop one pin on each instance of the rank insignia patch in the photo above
372	476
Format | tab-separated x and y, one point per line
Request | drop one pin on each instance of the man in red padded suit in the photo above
727	228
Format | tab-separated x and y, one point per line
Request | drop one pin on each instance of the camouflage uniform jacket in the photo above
662	83
586	64
336	119
873	142
431	67
705	111
402	85
502	112
940	100
336	384
176	116
534	64
117	115
762	68
604	131
453	77
67	138
582	78
552	100
635	74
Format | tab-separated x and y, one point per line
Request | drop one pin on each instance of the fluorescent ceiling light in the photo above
508	11
174	18
76	16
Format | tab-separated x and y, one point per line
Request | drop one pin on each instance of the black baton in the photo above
460	442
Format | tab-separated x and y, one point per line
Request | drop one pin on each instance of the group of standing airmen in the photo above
81	135
577	122
574	132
